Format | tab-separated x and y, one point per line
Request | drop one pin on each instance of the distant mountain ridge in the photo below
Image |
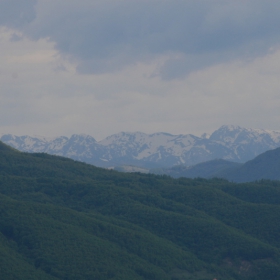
232	143
207	169
265	166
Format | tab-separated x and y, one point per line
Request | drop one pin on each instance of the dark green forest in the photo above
62	219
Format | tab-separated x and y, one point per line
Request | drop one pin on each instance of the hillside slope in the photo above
61	219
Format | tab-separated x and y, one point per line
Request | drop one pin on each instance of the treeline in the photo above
61	219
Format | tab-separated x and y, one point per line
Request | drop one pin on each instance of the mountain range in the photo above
229	142
264	166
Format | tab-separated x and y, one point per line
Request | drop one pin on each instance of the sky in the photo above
100	67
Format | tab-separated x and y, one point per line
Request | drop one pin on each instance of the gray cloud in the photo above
104	36
16	13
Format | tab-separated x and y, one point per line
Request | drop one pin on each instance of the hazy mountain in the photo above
246	143
208	169
231	143
264	166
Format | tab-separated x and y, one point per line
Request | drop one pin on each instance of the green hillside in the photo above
61	219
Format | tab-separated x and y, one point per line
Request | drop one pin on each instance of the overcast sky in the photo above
103	66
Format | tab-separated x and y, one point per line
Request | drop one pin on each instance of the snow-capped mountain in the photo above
229	142
246	143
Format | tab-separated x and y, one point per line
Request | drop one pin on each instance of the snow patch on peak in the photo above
230	127
42	138
229	142
205	136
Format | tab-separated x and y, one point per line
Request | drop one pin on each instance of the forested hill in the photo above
62	219
264	166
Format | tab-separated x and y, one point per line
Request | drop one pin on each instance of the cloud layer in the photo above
100	67
105	36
